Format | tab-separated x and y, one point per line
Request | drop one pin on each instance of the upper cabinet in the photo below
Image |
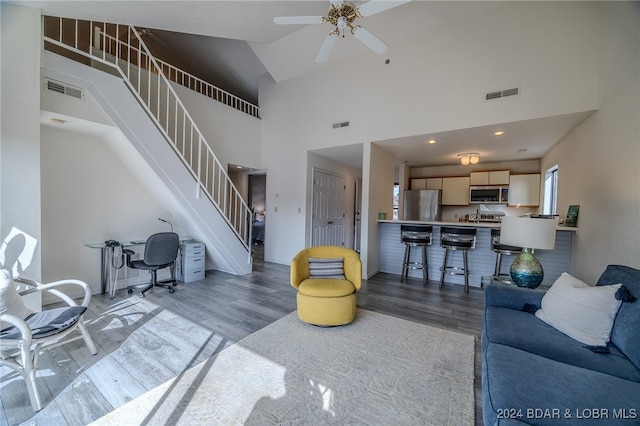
418	184
455	191
495	177
434	183
524	190
428	183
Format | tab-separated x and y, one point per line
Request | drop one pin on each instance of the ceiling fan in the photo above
342	15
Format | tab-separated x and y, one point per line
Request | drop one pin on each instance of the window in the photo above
550	205
396	200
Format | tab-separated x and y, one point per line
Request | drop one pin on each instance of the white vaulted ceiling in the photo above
233	43
239	40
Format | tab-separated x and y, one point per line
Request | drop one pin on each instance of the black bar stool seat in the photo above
457	239
501	250
415	236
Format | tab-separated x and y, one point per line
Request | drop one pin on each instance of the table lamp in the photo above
530	234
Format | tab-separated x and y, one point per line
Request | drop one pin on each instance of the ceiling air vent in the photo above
64	89
502	93
342	124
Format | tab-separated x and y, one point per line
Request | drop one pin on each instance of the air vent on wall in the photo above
342	124
62	88
502	93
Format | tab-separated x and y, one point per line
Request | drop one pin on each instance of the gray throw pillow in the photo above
326	268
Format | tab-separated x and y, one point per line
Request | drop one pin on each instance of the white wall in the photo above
377	197
20	141
89	195
233	136
599	162
435	82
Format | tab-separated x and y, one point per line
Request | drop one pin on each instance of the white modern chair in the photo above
22	339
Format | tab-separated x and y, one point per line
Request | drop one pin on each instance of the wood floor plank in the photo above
143	342
116	384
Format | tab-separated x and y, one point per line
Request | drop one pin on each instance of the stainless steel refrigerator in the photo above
422	205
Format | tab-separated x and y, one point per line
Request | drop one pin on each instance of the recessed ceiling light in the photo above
431	141
498	133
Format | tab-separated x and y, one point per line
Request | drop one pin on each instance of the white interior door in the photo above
328	209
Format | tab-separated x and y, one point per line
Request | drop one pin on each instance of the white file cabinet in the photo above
193	256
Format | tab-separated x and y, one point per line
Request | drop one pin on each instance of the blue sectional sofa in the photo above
534	374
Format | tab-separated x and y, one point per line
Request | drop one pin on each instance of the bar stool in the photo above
500	250
463	239
415	236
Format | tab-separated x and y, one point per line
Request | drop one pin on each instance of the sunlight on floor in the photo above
224	389
326	394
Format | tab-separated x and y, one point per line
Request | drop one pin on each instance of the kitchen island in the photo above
481	260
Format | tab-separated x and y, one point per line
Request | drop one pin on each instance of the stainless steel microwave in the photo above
488	194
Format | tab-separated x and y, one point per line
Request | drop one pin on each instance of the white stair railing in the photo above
122	49
207	89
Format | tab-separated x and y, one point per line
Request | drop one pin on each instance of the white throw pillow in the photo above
583	312
10	301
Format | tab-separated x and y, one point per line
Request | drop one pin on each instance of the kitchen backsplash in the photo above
455	213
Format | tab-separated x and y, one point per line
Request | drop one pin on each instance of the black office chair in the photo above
161	251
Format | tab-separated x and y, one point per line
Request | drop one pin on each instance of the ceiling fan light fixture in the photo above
342	15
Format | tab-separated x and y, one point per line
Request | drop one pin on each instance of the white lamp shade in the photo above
528	232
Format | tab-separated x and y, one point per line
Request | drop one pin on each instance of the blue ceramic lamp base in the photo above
526	270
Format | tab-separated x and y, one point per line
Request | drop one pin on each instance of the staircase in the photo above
100	57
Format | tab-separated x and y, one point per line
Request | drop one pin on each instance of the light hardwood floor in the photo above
144	342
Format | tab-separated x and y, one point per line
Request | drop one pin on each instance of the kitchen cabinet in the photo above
418	184
524	190
455	191
493	177
434	183
193	259
479	178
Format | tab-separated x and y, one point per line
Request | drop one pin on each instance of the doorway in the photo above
328	209
257	191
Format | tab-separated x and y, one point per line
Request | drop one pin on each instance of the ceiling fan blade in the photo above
369	40
337	3
376	6
298	20
327	47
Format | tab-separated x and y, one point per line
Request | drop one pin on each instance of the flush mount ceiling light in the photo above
431	141
467	158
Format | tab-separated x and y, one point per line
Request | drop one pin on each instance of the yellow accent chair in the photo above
326	301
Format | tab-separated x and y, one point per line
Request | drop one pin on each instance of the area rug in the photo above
378	370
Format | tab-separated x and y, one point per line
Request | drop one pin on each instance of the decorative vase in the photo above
526	270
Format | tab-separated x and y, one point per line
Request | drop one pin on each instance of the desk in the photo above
107	276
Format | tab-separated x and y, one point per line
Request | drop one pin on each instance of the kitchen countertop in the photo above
464	224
